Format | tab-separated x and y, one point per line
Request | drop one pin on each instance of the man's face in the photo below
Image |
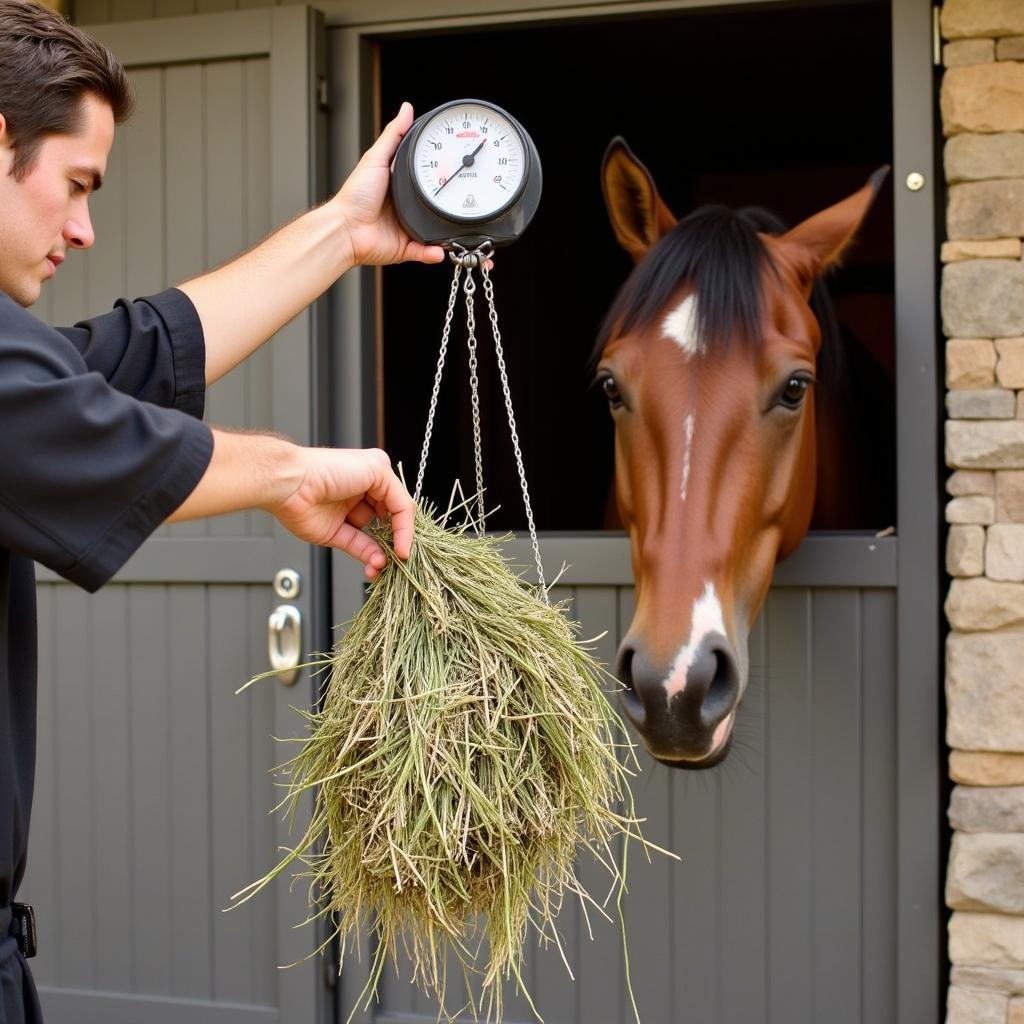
47	212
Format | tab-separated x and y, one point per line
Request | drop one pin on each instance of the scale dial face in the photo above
469	162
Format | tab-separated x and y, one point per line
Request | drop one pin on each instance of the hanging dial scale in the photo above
466	173
467	176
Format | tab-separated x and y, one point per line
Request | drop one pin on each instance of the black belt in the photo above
23	928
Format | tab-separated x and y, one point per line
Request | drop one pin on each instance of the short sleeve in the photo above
151	349
88	470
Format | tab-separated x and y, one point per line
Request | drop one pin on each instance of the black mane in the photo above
719	251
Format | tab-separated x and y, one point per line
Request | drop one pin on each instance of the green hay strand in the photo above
464	754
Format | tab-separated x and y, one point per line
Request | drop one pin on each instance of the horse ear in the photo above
819	241
638	214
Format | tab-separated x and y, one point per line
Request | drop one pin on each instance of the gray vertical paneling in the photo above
152	792
788	626
781	909
836	809
740	969
92	12
131	10
697	884
174	8
185	241
552	987
878	811
257	706
650	881
144	188
230	760
73	738
224	188
153	784
185	198
111	782
190	818
149	770
598	962
256	162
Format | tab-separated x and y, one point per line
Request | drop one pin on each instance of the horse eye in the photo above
794	392
611	392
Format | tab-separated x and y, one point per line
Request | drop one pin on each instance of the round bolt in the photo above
915	181
286	583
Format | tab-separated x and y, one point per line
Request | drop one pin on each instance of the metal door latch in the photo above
284	629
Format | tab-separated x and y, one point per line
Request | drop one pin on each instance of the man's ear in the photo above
6	149
819	242
638	214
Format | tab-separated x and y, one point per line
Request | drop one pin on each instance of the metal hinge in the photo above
936	37
321	92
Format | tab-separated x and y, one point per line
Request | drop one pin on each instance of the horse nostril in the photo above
624	670
715	679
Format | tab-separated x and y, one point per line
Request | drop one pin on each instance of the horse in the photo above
707	358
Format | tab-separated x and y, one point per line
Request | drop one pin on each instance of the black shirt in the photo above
100	441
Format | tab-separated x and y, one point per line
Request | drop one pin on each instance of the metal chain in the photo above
469	287
489	293
469	260
437	381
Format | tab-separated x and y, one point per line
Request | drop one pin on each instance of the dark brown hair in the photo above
47	66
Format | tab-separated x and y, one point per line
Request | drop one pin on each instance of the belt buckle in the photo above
25	928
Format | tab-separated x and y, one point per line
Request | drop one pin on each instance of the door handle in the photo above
284	642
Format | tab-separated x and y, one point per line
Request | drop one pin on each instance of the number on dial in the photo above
469	161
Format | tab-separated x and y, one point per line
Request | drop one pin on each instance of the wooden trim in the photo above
603	559
919	714
193	560
407	15
87	1007
189	39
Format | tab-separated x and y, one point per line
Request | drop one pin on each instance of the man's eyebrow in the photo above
90	172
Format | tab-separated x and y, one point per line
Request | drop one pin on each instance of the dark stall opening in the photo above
788	108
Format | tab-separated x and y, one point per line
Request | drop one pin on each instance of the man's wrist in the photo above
282	469
339	226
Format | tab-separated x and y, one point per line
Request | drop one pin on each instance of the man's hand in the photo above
242	303
341	491
365	206
323	495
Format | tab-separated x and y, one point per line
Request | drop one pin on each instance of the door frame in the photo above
911	561
292	39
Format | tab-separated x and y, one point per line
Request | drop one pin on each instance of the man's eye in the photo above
611	391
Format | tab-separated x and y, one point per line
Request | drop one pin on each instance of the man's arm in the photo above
244	302
323	495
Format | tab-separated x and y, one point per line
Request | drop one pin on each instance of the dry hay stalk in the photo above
465	750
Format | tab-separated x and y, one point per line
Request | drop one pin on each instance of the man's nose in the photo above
78	232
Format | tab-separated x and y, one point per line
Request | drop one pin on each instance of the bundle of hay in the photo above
464	752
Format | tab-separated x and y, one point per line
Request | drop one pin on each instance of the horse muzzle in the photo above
687	722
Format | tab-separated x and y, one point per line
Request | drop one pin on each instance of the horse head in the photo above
707	358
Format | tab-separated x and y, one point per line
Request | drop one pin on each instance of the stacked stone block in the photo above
982	101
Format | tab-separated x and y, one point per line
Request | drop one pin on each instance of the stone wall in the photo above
982	102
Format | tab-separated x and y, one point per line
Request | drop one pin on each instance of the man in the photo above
102	441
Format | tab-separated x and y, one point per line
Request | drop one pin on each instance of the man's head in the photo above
61	94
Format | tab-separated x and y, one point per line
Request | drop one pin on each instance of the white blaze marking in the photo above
688	444
706	618
681	326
